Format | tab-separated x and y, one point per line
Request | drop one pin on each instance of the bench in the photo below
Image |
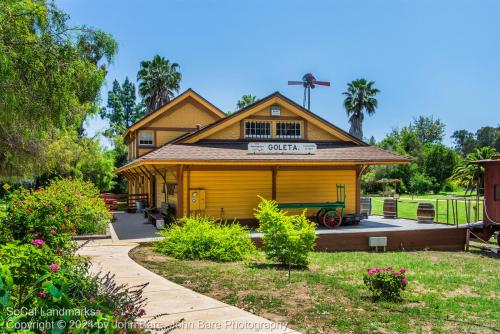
157	216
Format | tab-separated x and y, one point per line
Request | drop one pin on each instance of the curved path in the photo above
201	314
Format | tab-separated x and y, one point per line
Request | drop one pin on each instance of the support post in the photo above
180	191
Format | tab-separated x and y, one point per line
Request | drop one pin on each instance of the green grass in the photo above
448	292
407	208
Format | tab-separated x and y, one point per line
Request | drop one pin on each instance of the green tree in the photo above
470	175
245	100
464	142
428	129
159	81
487	136
80	157
122	109
439	163
50	77
360	98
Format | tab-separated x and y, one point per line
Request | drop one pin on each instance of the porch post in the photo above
180	191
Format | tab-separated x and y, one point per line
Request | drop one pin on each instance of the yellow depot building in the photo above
199	160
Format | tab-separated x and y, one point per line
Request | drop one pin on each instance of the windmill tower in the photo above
309	82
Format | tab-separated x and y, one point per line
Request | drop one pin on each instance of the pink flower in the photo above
142	312
402	271
370	272
91	299
396	273
404	280
37	242
54	267
42	294
378	269
98	311
388	268
53	232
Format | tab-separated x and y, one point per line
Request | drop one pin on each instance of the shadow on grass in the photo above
277	266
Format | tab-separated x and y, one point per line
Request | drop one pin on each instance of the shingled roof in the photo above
237	152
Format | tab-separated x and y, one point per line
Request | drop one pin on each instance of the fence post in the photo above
436	213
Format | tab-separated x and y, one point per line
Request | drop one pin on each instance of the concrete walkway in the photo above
201	314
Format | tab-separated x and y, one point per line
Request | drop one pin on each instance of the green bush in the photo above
33	277
202	238
287	239
420	184
53	213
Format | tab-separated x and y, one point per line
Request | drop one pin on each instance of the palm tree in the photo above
360	97
245	100
159	80
470	175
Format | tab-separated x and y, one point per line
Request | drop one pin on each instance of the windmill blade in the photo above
321	83
295	82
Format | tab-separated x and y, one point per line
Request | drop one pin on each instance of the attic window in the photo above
146	138
288	130
257	129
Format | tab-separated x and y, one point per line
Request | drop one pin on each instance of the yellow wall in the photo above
236	191
185	115
315	186
315	133
233	191
233	132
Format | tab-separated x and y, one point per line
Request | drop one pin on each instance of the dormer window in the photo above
146	138
257	129
288	130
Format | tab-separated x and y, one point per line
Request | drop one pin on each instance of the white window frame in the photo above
297	130
250	125
140	140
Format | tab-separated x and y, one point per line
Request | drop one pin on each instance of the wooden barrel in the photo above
366	205
425	213
390	208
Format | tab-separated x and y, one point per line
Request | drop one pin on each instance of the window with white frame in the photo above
288	130
146	138
257	129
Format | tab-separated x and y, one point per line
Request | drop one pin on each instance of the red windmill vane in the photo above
309	82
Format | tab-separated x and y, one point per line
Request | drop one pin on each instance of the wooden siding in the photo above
491	178
186	114
309	131
315	186
229	194
315	133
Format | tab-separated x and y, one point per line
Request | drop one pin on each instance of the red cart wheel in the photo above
319	216
332	219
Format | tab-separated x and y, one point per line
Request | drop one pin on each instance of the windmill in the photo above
309	82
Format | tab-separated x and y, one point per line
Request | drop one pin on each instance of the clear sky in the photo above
428	57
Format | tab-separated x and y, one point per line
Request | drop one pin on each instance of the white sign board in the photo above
282	148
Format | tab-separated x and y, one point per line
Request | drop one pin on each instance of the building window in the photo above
257	129
497	192
146	138
288	130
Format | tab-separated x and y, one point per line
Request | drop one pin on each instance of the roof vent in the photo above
198	127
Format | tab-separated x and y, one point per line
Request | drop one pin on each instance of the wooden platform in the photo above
402	234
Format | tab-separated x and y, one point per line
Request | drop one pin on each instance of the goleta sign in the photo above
282	148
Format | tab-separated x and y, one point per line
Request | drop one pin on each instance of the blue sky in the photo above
432	57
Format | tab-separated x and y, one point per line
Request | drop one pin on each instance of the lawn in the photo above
449	292
407	208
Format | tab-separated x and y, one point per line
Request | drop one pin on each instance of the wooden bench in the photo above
157	216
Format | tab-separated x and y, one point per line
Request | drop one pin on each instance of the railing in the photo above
447	210
134	198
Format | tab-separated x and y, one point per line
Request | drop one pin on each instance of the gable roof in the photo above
189	93
240	114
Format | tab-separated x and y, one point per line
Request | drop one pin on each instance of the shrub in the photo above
420	184
287	239
385	283
34	278
53	213
205	239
